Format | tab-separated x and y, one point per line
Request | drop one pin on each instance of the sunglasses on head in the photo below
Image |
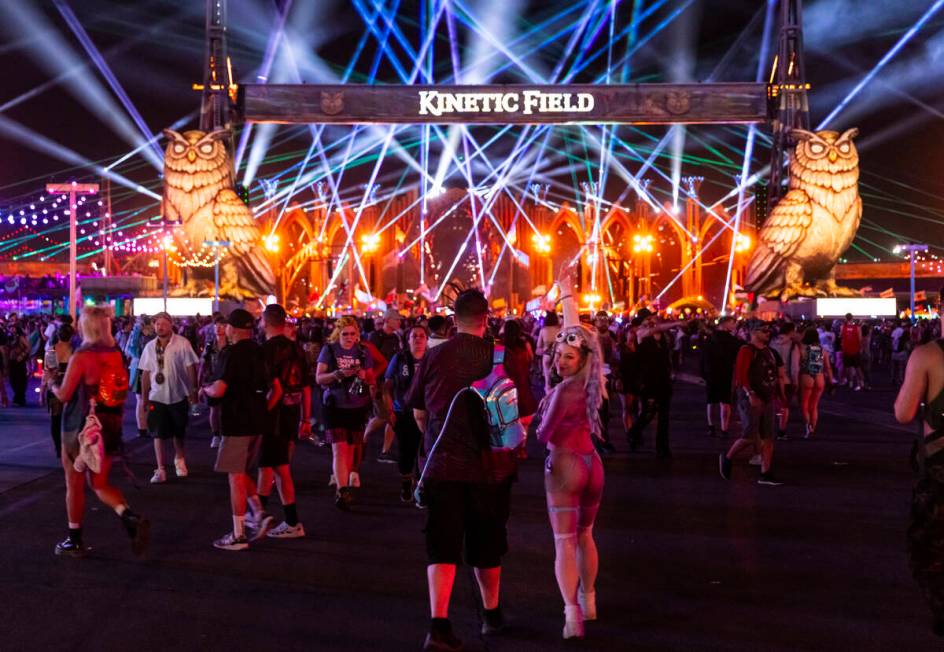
571	339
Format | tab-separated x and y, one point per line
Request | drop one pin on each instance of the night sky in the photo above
156	49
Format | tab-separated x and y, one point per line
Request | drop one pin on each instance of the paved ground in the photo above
688	561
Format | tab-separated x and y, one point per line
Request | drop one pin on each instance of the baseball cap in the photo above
240	318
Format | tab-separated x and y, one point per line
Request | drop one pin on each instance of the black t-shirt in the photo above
629	370
285	360
655	367
243	407
718	357
387	343
462	454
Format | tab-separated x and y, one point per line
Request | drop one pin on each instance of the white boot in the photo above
588	604
573	622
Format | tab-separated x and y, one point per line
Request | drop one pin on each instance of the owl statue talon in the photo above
190	289
829	288
797	290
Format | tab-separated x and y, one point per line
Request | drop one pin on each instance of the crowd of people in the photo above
273	381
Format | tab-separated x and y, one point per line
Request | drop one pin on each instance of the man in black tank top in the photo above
924	382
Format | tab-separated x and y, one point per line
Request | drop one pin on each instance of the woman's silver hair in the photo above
590	374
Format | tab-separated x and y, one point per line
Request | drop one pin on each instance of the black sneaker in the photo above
724	466
494	622
442	640
768	479
782	435
386	457
343	499
69	547
712	432
139	530
406	491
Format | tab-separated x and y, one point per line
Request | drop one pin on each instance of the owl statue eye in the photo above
817	148
844	148
206	148
179	148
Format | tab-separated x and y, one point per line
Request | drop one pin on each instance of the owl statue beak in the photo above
192	156
833	156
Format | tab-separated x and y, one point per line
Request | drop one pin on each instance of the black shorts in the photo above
276	451
354	419
168	421
718	393
850	361
473	516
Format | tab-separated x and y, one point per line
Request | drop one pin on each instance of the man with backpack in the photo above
287	419
757	386
466	485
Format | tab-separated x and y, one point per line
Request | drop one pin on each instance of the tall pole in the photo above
216	244
107	225
165	275
912	249
73	247
74	189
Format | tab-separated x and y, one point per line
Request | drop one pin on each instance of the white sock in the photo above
74	526
238	528
121	509
255	505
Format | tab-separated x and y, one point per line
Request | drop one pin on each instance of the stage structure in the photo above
377	238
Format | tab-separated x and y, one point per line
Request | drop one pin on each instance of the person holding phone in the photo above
343	367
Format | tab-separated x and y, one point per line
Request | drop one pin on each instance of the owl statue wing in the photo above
234	222
780	237
788	223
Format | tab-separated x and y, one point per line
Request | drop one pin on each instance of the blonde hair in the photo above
344	322
590	375
95	325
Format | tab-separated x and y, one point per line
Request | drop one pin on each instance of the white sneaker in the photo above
261	524
573	622
286	531
180	467
231	542
354	479
216	441
332	481
160	475
755	461
588	604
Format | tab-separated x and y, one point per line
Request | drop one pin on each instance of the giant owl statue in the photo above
198	192
813	224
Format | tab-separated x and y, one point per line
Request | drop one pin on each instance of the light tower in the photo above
787	93
219	90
